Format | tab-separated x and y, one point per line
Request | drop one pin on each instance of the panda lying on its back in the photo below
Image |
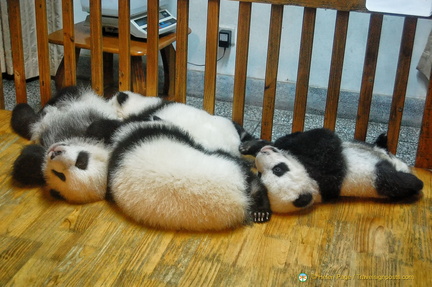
306	167
159	176
63	122
212	132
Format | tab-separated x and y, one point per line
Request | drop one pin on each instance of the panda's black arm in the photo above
260	209
103	129
27	168
22	117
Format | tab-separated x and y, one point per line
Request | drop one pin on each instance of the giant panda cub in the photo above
161	177
61	157
211	131
306	167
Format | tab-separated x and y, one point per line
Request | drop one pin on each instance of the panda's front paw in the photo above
261	216
252	147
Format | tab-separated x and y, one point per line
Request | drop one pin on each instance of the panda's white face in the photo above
128	103
289	186
76	170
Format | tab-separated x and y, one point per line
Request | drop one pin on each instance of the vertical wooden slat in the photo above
43	51
398	101
96	51
2	103
211	55
305	57
240	73
424	150
152	48
368	78
336	67
181	50
69	43
275	31
124	46
17	50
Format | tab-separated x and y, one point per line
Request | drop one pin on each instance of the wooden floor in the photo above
45	242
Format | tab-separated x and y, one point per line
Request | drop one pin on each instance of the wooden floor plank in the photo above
350	242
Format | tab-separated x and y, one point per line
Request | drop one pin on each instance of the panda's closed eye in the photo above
82	160
280	169
60	175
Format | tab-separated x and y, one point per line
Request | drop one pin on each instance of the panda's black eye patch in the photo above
60	175
280	169
82	160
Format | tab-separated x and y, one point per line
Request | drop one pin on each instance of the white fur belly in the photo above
173	186
213	132
361	174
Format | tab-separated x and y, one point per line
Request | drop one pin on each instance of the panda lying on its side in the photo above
159	176
63	122
306	167
212	132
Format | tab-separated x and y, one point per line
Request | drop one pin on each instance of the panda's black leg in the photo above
252	147
260	210
396	184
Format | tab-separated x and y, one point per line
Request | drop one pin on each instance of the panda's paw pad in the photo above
261	216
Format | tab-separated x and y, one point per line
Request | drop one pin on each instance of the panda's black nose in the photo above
303	200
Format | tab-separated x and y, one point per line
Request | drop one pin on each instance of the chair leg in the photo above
138	75
60	74
168	55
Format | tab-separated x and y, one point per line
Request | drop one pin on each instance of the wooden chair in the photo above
110	46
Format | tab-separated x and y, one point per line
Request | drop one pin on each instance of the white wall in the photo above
323	41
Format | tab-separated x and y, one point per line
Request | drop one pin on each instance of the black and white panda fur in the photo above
73	172
161	177
211	131
306	167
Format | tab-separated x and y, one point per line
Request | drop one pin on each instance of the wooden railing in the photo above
424	152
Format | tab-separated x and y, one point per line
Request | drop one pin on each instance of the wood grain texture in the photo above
180	84
17	50
368	77
124	46
212	39
350	242
272	64
303	72
346	5
336	67
241	61
96	48
401	82
43	51
69	43
153	50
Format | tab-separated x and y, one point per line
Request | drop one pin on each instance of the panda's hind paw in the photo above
260	216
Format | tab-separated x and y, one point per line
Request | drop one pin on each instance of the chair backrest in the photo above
343	8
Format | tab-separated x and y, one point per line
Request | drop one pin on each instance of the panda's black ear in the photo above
22	117
381	141
122	98
27	168
103	129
